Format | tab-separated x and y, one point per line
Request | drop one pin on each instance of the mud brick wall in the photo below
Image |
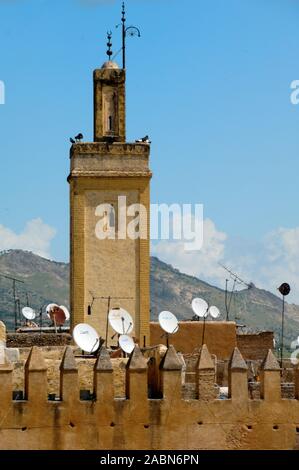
26	340
255	346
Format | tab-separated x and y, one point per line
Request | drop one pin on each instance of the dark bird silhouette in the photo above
72	141
78	137
144	139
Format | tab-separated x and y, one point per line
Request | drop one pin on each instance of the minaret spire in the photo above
109	45
131	30
123	20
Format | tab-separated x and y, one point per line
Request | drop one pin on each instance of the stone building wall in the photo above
255	346
24	340
220	337
135	421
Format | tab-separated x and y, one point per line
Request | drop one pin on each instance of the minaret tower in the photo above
107	270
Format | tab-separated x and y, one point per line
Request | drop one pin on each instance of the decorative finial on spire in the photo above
109	45
123	19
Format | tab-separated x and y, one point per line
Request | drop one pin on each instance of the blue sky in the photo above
209	81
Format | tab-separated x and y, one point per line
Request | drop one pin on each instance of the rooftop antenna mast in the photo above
284	289
127	30
16	301
236	280
108	298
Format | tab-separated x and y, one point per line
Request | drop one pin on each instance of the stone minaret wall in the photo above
101	172
109	104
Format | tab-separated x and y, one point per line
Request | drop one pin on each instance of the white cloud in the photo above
203	262
35	237
268	262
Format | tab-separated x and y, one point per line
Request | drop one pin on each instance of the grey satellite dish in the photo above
168	322
214	311
66	312
86	337
126	343
28	313
121	321
49	308
200	307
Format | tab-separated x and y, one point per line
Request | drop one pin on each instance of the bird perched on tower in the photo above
144	139
78	137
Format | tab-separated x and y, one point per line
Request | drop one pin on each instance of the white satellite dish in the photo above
49	308
121	321
214	311
126	343
294	344
168	322
28	313
66	312
86	337
200	307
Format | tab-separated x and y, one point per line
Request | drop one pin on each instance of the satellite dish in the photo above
294	357
121	321
284	289
57	315
28	313
49	308
86	337
295	344
66	312
126	343
168	322
214	311
200	307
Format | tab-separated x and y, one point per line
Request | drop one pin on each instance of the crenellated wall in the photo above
137	422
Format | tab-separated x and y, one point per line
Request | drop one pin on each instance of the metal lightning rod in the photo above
126	30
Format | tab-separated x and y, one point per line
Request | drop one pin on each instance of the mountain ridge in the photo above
48	281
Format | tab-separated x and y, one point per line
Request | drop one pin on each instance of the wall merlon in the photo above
68	363
270	362
171	360
103	362
205	361
237	363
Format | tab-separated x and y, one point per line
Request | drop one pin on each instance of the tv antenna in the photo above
16	300
121	321
109	298
236	280
169	323
86	338
126	343
201	309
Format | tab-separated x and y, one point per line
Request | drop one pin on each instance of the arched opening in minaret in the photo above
110	123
